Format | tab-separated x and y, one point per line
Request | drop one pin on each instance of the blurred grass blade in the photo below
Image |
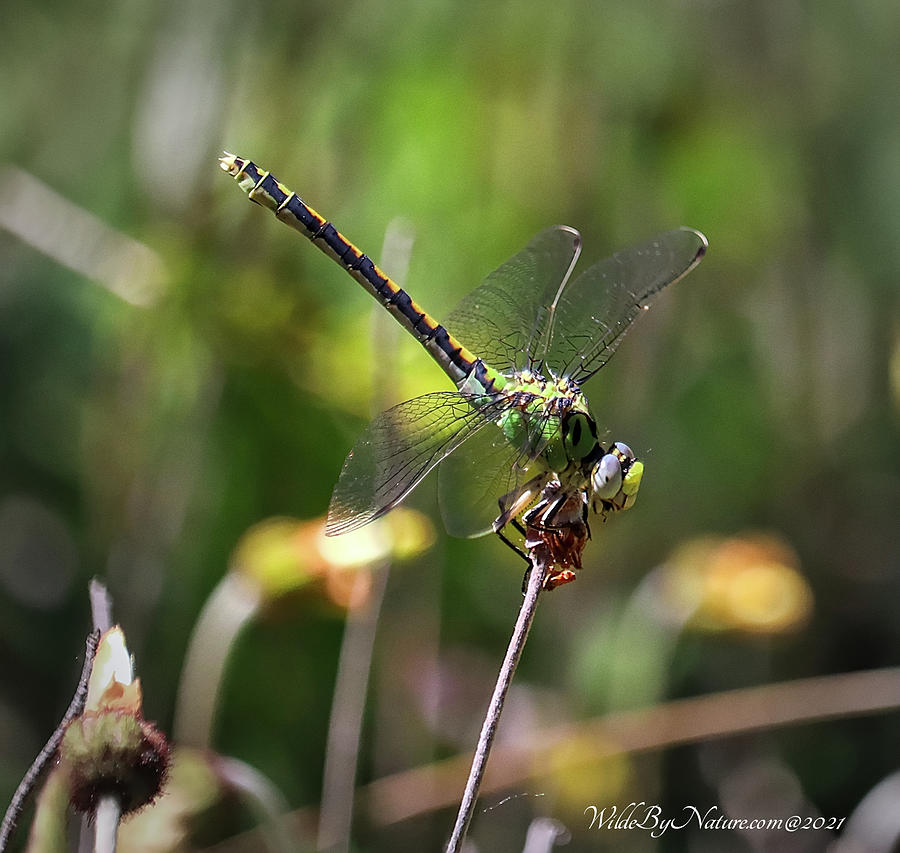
79	240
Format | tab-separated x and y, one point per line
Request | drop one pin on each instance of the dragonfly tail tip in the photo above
227	161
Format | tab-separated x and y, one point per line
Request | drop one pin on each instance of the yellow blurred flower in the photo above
282	555
582	769
750	582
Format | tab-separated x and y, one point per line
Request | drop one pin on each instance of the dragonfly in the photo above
516	443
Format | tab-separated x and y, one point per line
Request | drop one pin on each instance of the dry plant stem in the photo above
48	753
106	824
229	608
263	800
681	721
492	718
101	606
422	790
345	725
355	664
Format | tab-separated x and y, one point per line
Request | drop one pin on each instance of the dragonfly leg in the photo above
515	523
519	551
558	505
548	520
514	503
510	544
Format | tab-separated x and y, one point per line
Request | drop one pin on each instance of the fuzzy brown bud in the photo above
114	753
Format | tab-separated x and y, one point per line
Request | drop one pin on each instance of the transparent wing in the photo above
593	312
397	450
504	318
472	480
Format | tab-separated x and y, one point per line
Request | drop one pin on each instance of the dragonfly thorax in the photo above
550	422
549	385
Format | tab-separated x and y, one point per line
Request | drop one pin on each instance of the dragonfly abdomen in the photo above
264	189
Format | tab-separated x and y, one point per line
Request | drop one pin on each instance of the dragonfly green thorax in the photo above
554	434
516	442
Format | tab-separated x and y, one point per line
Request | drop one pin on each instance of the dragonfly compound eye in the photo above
624	452
606	478
580	436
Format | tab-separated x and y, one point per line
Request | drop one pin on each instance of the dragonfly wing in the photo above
472	480
505	317
397	450
595	310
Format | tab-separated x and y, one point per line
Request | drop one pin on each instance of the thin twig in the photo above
492	718
101	605
48	753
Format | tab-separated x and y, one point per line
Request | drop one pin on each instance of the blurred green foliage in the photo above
139	439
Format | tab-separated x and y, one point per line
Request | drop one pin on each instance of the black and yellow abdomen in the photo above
264	189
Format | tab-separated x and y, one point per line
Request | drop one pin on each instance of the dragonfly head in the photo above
615	479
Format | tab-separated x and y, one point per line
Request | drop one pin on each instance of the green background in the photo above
139	441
